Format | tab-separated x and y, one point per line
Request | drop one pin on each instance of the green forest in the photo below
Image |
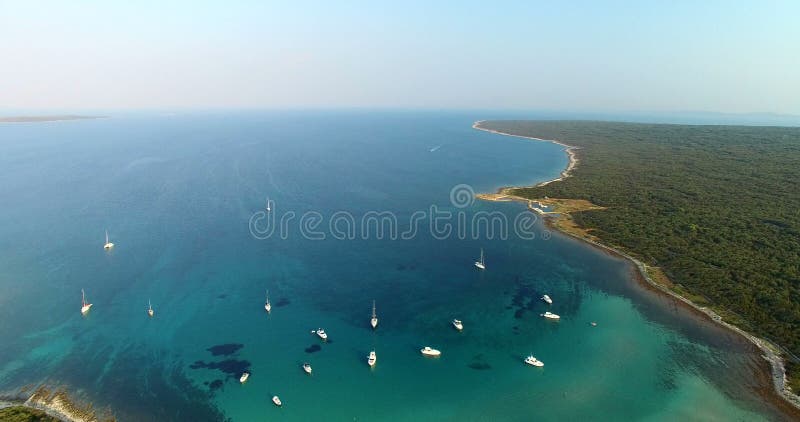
717	208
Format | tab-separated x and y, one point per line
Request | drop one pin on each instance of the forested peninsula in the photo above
713	211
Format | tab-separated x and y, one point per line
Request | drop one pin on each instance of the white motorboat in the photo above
530	360
480	264
277	401
457	323
85	305
372	358
550	315
322	334
547	299
244	377
427	351
307	368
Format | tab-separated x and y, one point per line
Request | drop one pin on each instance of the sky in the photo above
723	56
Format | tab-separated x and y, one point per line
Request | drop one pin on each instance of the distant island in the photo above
54	118
707	213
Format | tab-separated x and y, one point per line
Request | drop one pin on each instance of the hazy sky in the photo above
728	56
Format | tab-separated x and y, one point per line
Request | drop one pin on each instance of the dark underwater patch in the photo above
313	348
222	296
232	367
215	385
225	349
480	366
282	302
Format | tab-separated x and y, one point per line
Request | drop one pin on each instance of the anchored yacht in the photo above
108	244
480	263
457	323
427	351
85	306
372	358
374	321
244	377
547	299
530	360
550	315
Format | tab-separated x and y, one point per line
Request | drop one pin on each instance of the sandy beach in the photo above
780	395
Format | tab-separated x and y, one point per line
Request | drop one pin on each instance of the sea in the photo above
364	206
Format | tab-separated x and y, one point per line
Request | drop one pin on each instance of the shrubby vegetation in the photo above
716	207
24	414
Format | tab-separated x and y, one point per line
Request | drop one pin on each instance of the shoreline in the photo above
770	352
44	119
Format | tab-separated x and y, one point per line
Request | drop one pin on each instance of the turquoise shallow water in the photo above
177	193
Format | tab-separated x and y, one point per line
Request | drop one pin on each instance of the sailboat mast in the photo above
373	309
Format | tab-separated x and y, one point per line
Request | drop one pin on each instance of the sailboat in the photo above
267	305
374	321
268	207
108	244
86	306
479	264
150	309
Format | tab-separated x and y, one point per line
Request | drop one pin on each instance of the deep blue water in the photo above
179	195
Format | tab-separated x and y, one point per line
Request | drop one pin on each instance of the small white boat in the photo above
530	360
150	309
307	368
108	244
594	324
372	358
427	351
374	321
457	323
480	264
547	299
268	207
244	377
267	305
322	334
85	306
277	401
550	315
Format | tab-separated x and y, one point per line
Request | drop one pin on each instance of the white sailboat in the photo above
268	206
85	306
108	244
150	309
480	264
372	358
267	305
374	321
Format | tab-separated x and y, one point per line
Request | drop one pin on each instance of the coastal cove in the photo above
559	217
178	195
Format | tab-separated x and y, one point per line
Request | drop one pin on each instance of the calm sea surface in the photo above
183	198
